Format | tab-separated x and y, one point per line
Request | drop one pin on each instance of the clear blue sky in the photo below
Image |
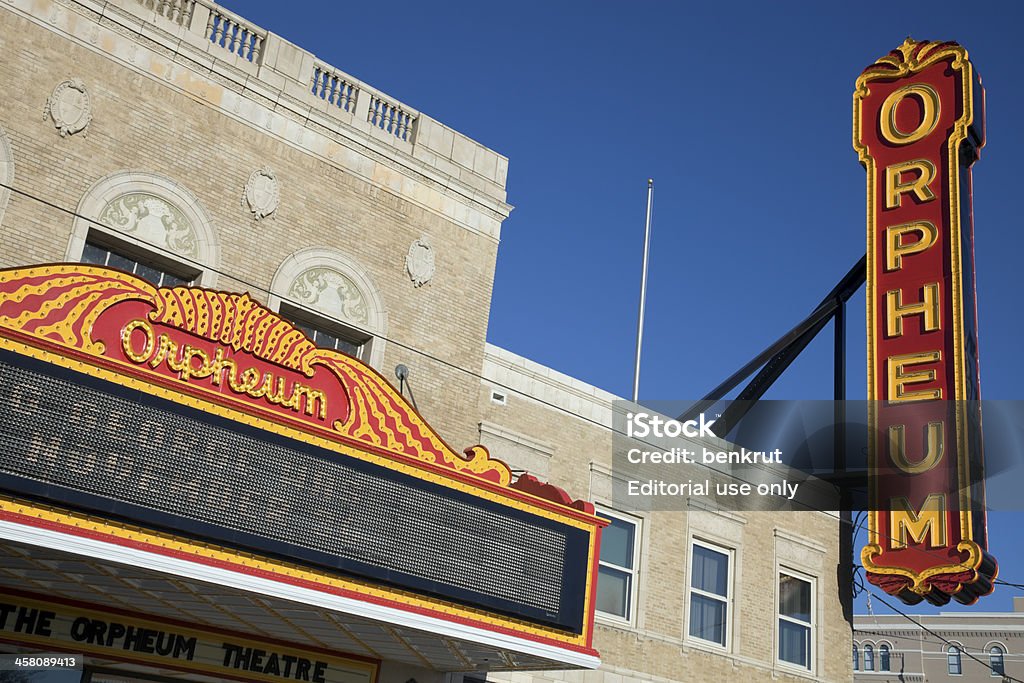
741	112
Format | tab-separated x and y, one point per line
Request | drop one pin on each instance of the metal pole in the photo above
839	388
839	465
643	292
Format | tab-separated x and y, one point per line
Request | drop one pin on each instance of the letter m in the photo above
929	523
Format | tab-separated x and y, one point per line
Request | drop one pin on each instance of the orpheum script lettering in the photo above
142	345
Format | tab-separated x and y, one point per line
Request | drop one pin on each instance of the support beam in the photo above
779	355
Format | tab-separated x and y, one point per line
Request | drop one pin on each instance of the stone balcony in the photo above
220	57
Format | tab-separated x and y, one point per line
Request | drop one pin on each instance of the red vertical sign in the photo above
918	127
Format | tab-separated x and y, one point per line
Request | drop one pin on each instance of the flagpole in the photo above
643	292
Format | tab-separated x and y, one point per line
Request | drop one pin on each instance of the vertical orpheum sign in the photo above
918	126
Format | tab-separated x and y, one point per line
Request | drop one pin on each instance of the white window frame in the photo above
632	600
886	650
959	655
730	554
6	171
1002	659
812	652
869	657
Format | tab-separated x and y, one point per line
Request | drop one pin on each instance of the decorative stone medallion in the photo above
419	262
69	107
262	193
327	290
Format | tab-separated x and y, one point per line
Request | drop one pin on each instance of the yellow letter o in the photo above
930	105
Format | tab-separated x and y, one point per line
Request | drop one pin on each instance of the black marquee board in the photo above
96	446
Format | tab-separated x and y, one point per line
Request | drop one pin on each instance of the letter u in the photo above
934	446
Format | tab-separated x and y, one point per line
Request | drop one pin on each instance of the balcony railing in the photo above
391	118
334	87
348	100
178	11
235	35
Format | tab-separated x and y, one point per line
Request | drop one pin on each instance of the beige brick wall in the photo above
574	420
139	123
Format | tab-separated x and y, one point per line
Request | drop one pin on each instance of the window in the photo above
796	625
161	272
995	661
616	574
709	593
326	334
134	213
869	658
953	665
883	658
334	300
856	658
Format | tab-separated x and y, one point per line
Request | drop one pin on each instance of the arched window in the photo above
869	658
883	658
995	660
953	664
147	224
333	300
856	658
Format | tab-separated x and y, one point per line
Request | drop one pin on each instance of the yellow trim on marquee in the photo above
138	534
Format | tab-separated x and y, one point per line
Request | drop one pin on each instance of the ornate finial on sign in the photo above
419	262
908	47
262	193
69	107
911	57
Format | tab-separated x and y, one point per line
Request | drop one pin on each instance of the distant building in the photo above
174	156
949	646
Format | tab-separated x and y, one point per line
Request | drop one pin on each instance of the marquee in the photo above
200	424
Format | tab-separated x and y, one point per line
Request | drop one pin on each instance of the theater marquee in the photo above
199	425
918	123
